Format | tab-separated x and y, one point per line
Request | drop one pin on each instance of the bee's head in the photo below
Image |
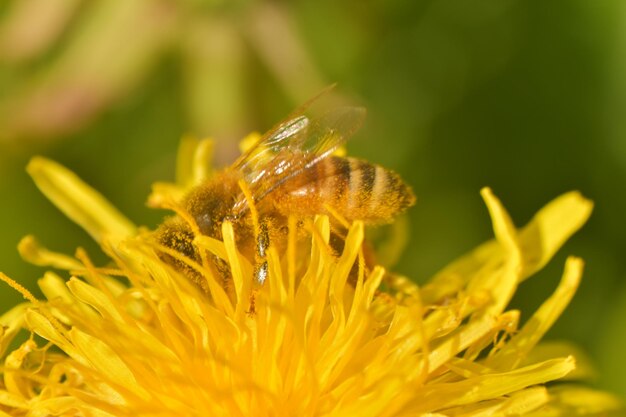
210	205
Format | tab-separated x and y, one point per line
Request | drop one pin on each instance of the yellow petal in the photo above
13	400
522	342
81	203
193	162
352	246
185	158
557	349
106	362
517	404
55	289
12	363
193	166
574	400
538	242
31	251
202	162
551	227
472	390
499	279
241	284
64	406
95	298
524	401
459	341
164	195
10	324
40	324
249	141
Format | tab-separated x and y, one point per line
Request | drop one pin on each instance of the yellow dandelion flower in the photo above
137	338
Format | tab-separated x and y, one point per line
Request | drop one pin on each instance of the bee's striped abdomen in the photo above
355	189
375	194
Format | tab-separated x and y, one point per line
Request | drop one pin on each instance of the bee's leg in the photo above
262	244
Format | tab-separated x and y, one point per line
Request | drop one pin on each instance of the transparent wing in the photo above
284	137
252	162
294	146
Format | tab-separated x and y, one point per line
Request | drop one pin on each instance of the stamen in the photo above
30	297
19	288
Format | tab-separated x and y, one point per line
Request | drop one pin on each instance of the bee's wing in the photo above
283	135
294	146
279	140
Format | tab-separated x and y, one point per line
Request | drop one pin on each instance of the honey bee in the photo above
290	171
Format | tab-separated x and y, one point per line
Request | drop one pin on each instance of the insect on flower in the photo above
290	171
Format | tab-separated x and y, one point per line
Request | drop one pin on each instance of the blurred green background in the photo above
524	96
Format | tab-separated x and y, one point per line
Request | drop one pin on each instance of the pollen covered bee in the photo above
290	171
